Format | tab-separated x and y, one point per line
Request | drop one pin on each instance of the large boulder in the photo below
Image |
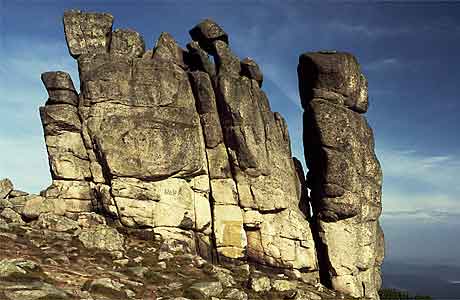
60	88
335	76
6	186
206	33
87	32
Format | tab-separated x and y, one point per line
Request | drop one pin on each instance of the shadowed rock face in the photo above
169	140
187	146
344	174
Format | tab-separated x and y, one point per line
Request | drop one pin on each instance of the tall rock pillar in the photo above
344	175
68	159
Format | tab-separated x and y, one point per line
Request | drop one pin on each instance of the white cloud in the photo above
436	177
287	87
441	171
382	64
368	30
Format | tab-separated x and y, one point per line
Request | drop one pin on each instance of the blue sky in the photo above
410	53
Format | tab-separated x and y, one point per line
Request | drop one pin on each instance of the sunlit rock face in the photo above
182	141
344	175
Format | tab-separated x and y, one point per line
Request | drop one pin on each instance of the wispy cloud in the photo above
371	30
286	86
435	215
420	187
440	171
368	30
382	64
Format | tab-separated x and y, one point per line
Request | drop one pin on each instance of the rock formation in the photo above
169	141
344	174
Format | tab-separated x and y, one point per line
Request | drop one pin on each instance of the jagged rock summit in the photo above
187	147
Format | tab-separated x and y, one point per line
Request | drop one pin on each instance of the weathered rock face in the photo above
170	141
6	187
344	174
166	139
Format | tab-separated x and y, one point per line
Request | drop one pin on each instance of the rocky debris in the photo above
236	295
103	238
344	174
11	216
35	291
57	223
17	193
6	186
224	276
41	263
203	290
282	285
19	270
260	284
107	287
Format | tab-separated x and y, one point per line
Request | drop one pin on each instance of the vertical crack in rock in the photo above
267	184
344	174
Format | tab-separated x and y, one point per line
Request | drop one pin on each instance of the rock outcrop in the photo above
182	145
344	174
169	140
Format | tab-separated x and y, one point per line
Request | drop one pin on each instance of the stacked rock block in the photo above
344	174
68	158
167	139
